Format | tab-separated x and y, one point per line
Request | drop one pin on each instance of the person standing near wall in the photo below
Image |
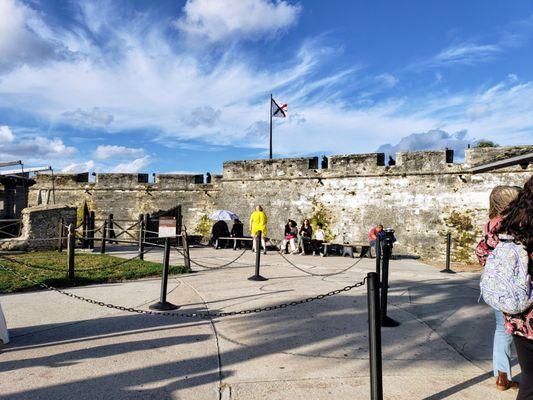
4	334
518	222
499	200
258	223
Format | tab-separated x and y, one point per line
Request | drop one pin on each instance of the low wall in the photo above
38	223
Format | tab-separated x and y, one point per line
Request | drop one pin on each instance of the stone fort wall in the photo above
422	197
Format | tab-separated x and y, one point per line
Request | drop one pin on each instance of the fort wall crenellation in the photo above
423	195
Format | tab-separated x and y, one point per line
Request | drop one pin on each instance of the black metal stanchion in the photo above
386	253
141	237
374	337
186	253
257	276
71	244
448	270
104	237
163	304
60	233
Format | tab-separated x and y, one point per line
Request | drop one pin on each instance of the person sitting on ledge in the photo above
237	231
291	233
320	237
304	236
220	229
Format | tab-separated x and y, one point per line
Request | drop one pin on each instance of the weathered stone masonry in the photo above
423	196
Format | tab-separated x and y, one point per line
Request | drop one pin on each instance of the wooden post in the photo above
104	236
60	231
71	244
186	254
91	230
141	237
111	230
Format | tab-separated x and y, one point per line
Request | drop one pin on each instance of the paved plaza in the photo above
63	348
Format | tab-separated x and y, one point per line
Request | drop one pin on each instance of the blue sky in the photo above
172	86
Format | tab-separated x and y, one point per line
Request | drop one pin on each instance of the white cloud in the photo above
477	111
206	116
219	20
85	166
24	37
467	53
6	136
36	149
106	152
93	117
434	139
389	79
137	165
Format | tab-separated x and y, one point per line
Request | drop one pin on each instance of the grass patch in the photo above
93	263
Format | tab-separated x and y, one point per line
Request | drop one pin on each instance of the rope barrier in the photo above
187	315
9	225
89	230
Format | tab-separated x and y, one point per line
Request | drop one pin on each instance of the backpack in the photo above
505	282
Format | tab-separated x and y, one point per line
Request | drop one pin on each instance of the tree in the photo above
486	143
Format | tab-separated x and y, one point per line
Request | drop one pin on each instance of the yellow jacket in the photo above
258	222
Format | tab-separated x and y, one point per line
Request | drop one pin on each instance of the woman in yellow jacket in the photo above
258	222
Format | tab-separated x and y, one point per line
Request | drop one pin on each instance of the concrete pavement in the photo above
62	348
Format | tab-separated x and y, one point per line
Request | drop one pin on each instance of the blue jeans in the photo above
501	351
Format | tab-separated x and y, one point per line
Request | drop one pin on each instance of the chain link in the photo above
186	315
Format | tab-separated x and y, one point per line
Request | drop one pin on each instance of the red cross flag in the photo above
278	110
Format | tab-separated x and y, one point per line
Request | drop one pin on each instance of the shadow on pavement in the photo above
335	328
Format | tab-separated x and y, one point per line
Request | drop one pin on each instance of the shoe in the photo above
301	254
503	383
265	252
295	252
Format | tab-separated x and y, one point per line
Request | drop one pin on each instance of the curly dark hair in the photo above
518	217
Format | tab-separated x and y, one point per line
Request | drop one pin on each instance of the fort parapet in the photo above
424	195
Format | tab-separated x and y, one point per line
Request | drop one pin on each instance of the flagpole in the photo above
270	111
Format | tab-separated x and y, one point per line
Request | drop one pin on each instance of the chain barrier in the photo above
210	267
187	315
76	269
324	275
